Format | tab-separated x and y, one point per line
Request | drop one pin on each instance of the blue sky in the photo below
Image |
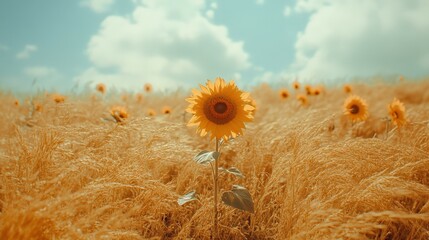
173	44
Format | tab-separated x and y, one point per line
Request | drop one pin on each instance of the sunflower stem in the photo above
215	179
387	129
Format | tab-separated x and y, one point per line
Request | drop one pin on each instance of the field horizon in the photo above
68	170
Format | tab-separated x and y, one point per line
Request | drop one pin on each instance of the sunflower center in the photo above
220	107
284	95
354	109
220	110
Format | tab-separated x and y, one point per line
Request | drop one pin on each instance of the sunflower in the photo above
397	113
302	99
308	90
101	88
166	110
347	88
295	85
316	91
139	97
119	113
16	103
148	87
58	98
356	108
38	107
151	112
220	108
283	93
124	97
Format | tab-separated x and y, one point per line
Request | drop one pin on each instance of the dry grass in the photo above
65	173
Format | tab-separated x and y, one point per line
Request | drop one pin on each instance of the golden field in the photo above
69	171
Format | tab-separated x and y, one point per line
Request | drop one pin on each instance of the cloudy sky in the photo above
56	45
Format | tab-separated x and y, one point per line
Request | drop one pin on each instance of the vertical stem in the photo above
215	178
387	129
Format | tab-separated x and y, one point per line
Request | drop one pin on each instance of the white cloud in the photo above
362	38
27	51
167	43
310	5
210	14
35	78
287	11
275	79
213	5
42	72
47	78
98	6
260	2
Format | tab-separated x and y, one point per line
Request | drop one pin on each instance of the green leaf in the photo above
239	197
188	197
233	171
205	157
107	120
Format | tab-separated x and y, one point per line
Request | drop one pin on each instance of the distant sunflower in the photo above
347	88
58	98
16	103
220	109
124	97
166	110
283	93
295	85
308	90
119	113
101	88
148	87
151	112
356	108
316	91
139	97
302	99
38	107
397	113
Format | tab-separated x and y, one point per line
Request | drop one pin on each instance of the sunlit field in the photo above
105	164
